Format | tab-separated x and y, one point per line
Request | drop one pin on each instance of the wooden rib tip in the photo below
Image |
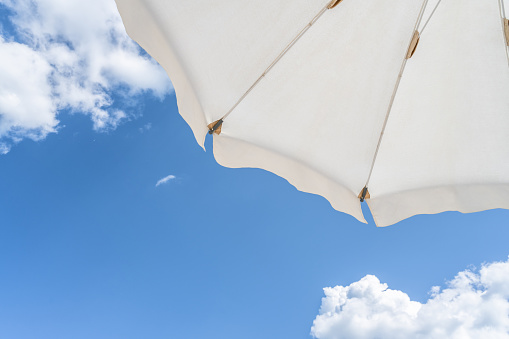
212	125
333	4
367	196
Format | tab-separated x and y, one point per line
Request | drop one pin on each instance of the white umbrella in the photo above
328	95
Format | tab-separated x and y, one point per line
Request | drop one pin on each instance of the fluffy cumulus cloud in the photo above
68	55
475	305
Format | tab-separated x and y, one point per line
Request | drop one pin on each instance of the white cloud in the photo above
166	179
69	54
26	105
474	306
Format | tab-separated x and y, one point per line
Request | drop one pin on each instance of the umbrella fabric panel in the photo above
237	153
323	105
139	22
213	50
446	145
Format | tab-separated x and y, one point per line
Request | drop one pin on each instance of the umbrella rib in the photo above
279	57
396	86
503	19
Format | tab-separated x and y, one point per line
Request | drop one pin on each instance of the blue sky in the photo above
90	247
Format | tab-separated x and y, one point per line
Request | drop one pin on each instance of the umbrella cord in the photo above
430	16
283	52
396	86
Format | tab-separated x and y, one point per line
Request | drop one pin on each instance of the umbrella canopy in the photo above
404	103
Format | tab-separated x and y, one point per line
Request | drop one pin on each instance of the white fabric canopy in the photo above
319	115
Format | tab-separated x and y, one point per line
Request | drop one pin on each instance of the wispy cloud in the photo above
4	148
475	305
71	55
165	180
145	127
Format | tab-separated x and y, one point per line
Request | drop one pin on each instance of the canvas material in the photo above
316	118
446	145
